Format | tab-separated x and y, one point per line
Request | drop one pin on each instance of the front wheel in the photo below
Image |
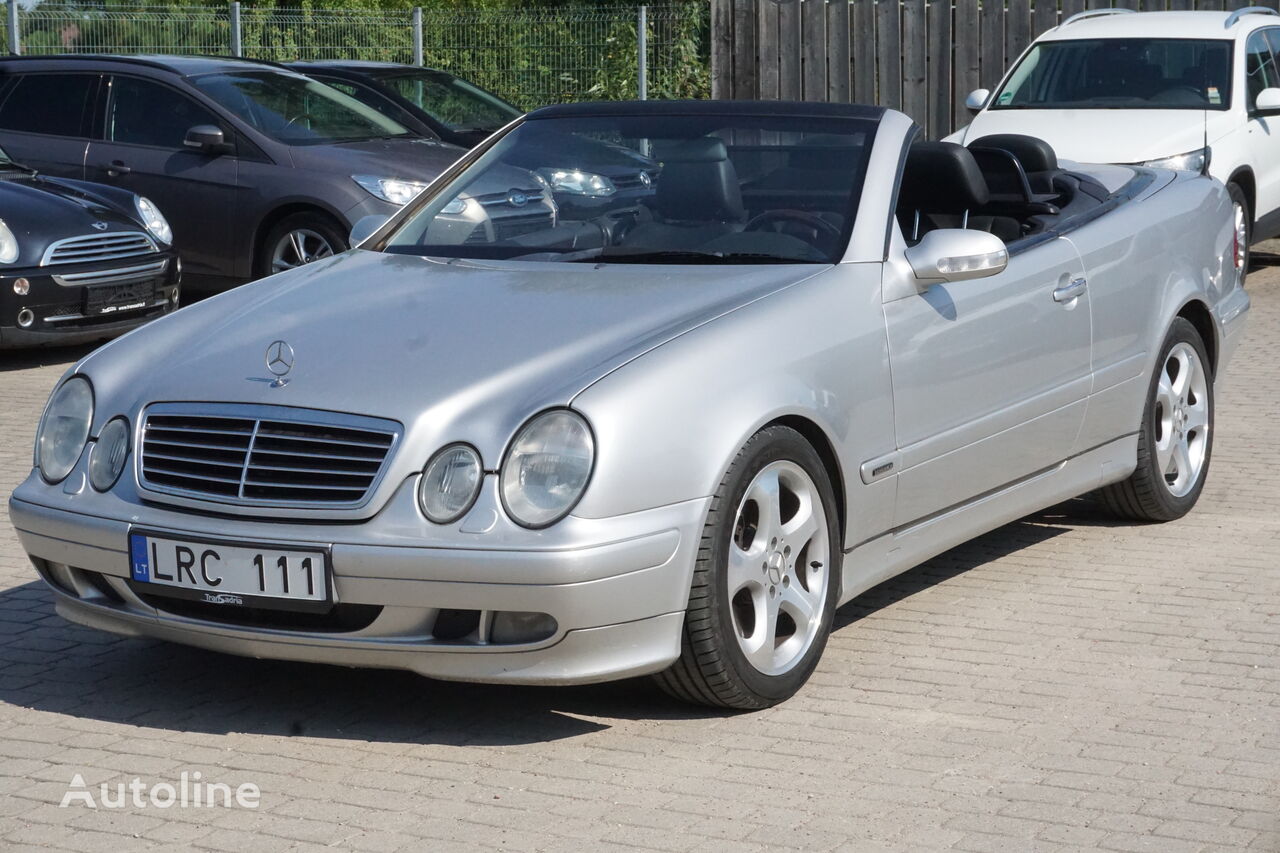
766	581
1175	441
1242	222
298	239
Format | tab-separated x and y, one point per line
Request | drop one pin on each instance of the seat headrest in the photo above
699	183
1034	154
704	149
941	177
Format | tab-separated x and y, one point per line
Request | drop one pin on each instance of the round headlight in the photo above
547	468
154	220
106	457
64	429
450	483
8	244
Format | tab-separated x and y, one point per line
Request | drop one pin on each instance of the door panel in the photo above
990	379
51	139
142	151
1262	134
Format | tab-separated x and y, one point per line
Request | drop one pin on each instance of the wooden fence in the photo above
920	56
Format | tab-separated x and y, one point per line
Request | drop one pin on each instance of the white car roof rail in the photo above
1248	10
1096	13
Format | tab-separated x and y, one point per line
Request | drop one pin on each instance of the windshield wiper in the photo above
14	164
682	256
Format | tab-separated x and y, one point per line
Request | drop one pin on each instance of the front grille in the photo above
93	248
638	180
268	457
134	272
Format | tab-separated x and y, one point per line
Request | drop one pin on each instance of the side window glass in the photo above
146	113
47	103
1260	66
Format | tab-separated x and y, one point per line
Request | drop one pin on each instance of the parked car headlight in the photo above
64	429
8	244
106	457
154	219
547	468
394	190
577	182
450	483
1191	161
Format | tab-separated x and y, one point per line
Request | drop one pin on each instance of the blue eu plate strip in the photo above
139	557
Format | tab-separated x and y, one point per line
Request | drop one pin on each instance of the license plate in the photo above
118	298
236	574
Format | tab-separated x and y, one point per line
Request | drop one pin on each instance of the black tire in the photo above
1238	197
314	221
712	669
1146	496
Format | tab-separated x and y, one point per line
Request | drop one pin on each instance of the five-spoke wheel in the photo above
767	578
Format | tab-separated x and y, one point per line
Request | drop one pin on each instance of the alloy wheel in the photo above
1181	419
778	568
298	247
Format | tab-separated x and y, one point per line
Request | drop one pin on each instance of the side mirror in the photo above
976	100
365	228
1267	102
957	254
206	138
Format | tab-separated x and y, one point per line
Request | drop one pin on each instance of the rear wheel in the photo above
766	581
1175	441
299	239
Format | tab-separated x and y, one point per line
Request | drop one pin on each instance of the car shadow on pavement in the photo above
52	665
26	359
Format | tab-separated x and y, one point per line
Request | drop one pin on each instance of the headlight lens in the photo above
577	182
154	220
450	483
8	244
1192	161
393	190
64	429
547	468
106	457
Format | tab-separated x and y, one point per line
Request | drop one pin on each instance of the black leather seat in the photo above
1037	157
942	187
697	199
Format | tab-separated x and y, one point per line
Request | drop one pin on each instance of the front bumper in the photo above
616	588
56	310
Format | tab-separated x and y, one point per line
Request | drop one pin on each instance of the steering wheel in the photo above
809	220
299	117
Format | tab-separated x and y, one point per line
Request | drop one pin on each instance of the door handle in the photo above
117	168
1070	291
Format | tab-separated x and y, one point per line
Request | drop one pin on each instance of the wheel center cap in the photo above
776	566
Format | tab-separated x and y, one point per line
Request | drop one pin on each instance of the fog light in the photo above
21	286
26	318
513	627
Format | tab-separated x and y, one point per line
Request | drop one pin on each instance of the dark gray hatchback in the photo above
257	168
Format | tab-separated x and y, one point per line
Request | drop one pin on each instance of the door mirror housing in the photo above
365	228
206	138
1267	102
957	254
976	100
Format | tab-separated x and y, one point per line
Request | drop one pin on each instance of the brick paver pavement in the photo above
1063	683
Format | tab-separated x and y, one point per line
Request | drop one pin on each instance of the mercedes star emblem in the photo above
279	361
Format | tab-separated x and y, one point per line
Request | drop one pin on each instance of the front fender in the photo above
669	423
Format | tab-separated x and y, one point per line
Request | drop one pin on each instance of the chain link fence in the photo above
529	56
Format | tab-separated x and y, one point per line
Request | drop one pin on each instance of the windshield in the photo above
691	189
454	103
296	110
1138	73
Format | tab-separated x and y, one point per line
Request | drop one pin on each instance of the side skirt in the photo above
886	556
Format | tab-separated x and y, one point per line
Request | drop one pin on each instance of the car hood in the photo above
41	210
408	159
455	351
1100	136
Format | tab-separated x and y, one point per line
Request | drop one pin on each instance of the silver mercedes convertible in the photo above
670	438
